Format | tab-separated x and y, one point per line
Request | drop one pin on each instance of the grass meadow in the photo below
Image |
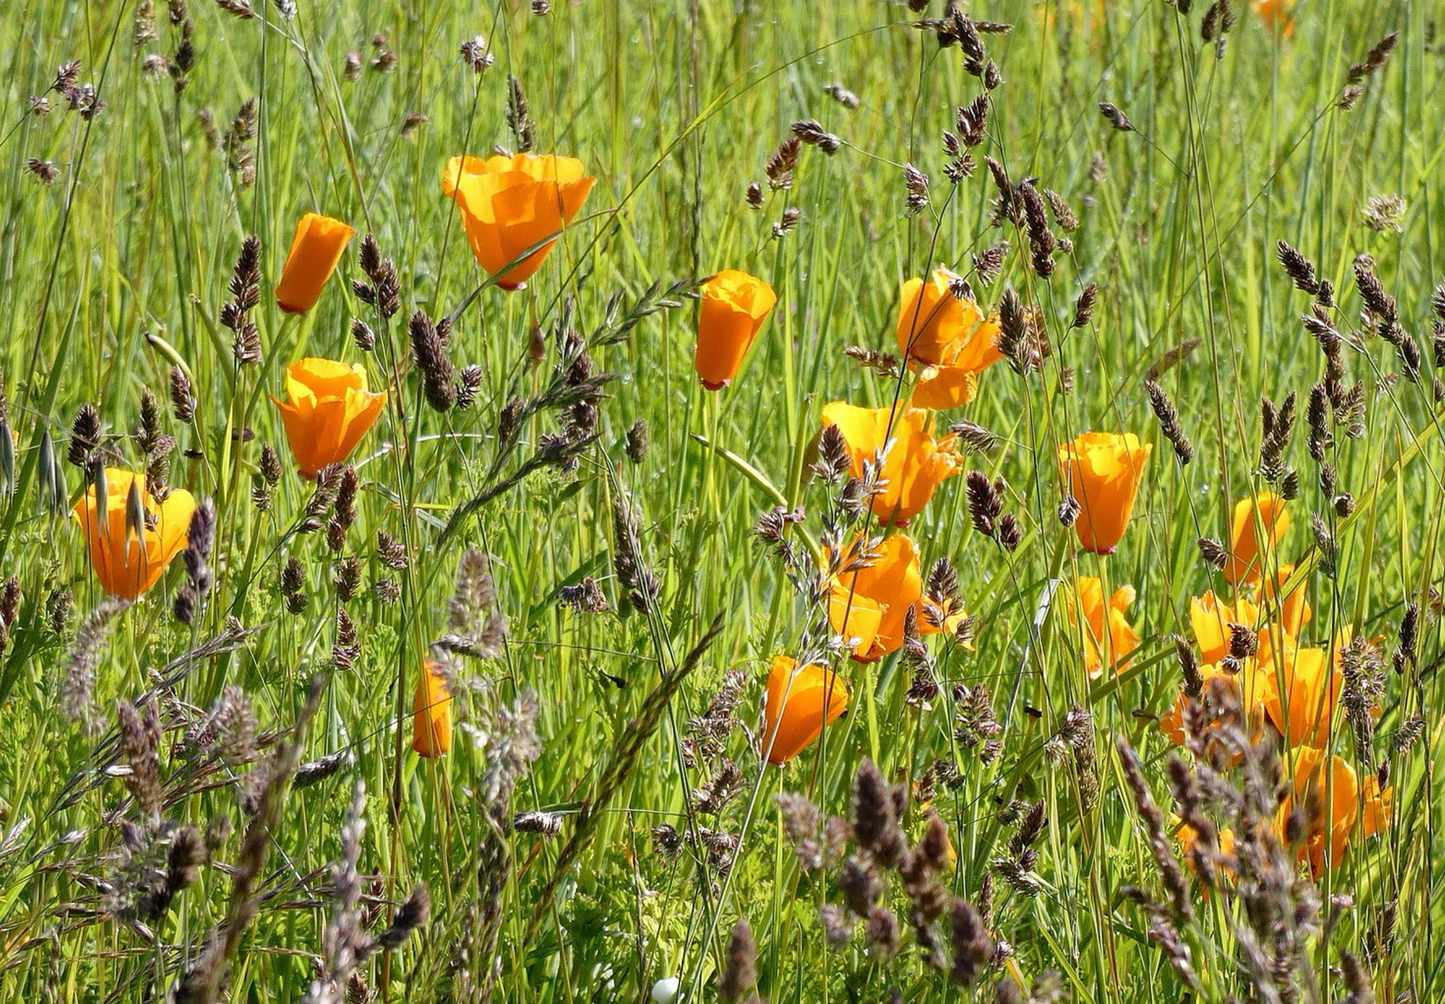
393	610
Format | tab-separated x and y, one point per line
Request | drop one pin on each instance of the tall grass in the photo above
152	840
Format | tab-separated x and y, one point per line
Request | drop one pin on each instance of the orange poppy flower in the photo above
431	716
514	208
1104	646
1344	802
316	250
1294	611
1102	470
800	702
1210	620
327	411
869	606
1251	685
1188	836
936	328
947	339
1277	16
1245	561
915	465
734	306
128	562
1303	686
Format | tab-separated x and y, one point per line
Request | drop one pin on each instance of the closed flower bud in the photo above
800	702
734	307
1102	470
1247	550
431	720
315	251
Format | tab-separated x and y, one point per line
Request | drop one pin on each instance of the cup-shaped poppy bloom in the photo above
936	328
1210	618
943	387
431	713
1342	804
1220	851
1247	556
1294	608
734	307
1248	686
315	252
1102	470
1105	644
326	412
947	339
869	606
514	208
801	701
1303	685
915	464
1277	15
128	560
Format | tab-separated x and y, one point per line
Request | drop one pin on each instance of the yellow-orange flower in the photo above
916	463
1250	685
1245	561
734	306
1294	611
800	702
315	251
936	328
327	411
1110	645
1343	802
512	205
1302	687
431	714
128	561
1277	15
868	606
1102	470
1210	620
1188	837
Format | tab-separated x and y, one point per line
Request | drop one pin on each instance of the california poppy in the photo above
327	411
128	560
1210	618
1294	611
1245	562
916	463
1303	685
937	328
800	701
513	205
1277	15
431	716
1342	802
1104	645
1250	687
315	251
1102	470
947	339
1223	848
869	606
734	306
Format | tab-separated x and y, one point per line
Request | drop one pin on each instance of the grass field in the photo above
556	675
